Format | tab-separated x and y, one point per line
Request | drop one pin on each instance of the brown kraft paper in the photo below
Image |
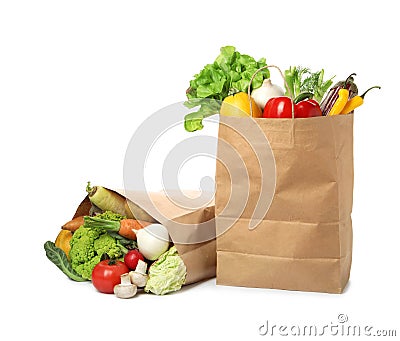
304	241
199	257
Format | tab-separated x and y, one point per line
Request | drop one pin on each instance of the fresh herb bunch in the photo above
230	73
301	79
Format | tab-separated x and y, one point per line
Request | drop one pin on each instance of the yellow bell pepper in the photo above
238	105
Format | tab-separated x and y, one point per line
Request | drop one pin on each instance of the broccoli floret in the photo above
87	247
82	244
108	215
85	269
107	244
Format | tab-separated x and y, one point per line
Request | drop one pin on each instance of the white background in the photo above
78	77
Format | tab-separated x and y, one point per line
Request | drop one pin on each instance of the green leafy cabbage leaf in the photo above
167	273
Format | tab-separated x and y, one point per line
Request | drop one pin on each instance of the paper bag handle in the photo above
284	79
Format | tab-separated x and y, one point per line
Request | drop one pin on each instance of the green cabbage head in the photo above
167	273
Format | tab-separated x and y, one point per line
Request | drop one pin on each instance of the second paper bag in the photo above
283	216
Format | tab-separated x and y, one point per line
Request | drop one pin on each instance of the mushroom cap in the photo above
138	278
125	291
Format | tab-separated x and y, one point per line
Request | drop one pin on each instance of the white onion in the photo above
265	92
152	241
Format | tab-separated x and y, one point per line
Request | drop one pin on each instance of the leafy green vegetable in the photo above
59	258
301	79
101	224
230	73
167	273
88	246
208	107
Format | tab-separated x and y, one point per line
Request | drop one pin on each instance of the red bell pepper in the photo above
281	107
307	108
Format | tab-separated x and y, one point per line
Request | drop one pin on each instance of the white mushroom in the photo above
139	276
126	289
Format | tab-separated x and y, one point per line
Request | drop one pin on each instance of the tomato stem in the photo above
112	261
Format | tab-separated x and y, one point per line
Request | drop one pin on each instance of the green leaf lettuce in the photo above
230	73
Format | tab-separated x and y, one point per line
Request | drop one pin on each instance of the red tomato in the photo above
132	258
107	274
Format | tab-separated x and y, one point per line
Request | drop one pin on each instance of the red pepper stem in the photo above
372	87
347	79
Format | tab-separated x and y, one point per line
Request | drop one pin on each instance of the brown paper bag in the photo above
304	241
186	227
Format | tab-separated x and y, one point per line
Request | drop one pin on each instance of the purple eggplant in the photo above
332	95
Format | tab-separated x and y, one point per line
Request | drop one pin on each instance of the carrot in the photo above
128	225
123	227
73	224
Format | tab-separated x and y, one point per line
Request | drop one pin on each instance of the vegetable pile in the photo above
116	253
118	246
223	88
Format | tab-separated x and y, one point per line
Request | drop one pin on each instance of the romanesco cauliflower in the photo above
87	247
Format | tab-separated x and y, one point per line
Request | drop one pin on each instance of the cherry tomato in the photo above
132	258
107	274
